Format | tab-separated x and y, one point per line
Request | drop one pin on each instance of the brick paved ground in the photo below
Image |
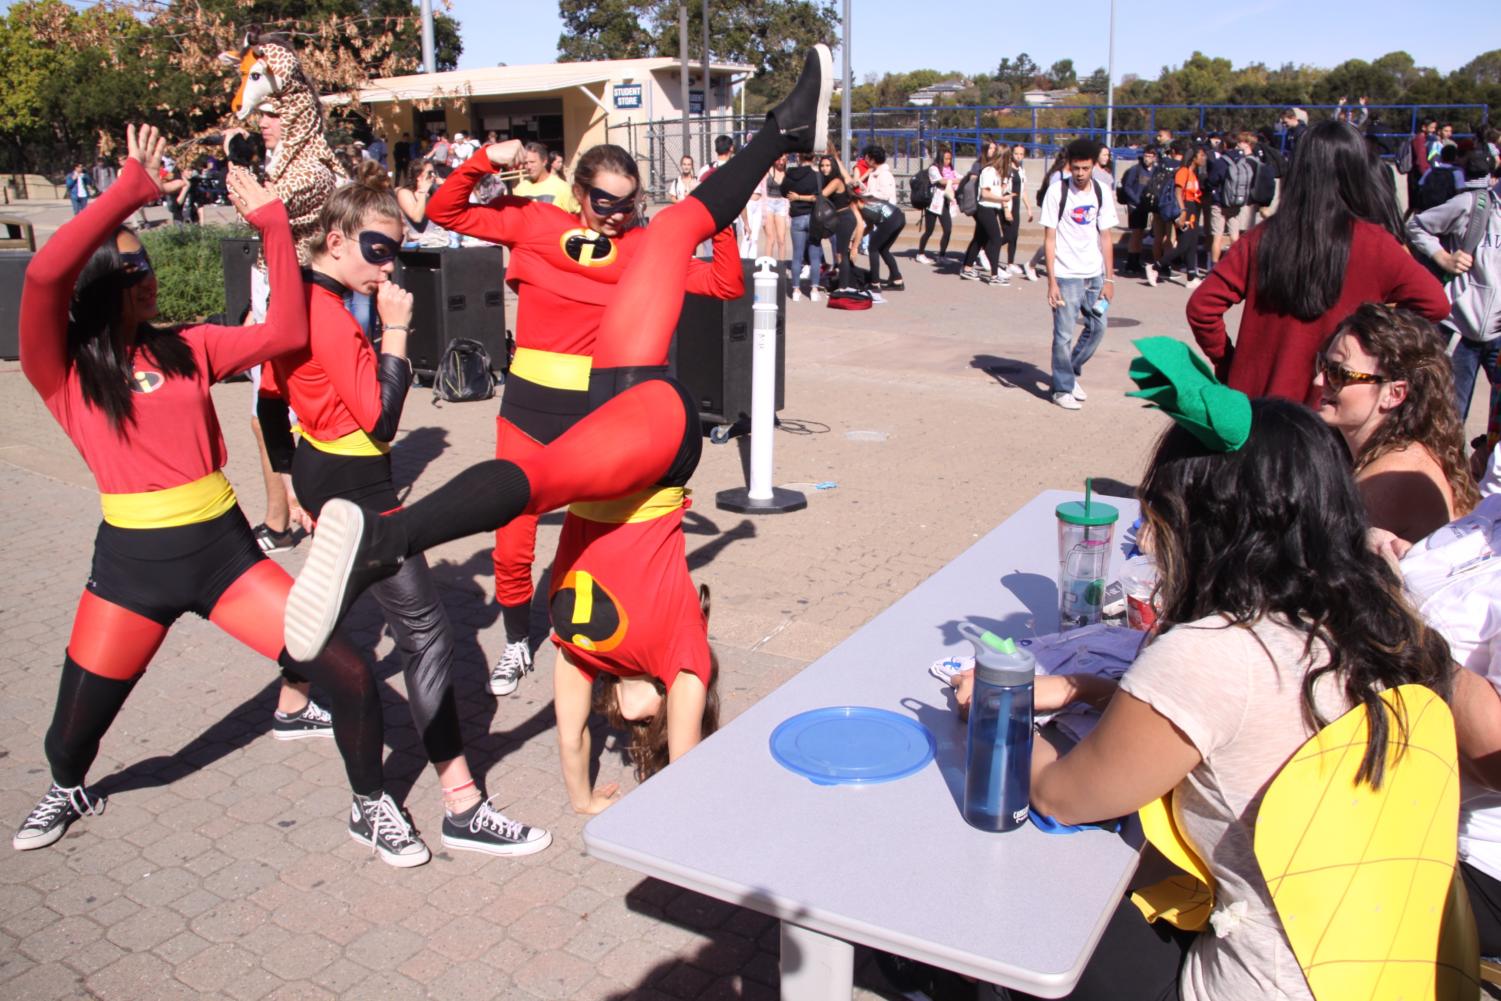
222	868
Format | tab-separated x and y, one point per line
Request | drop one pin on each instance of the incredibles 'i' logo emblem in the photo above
145	382
589	248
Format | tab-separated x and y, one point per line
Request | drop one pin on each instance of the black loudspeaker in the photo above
12	273
238	257
711	351
457	292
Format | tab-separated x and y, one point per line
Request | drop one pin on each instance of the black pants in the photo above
928	221
1185	252
988	236
1135	961
844	231
1011	230
881	239
1485	901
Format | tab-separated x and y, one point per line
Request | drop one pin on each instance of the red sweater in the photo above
332	383
560	297
1273	353
174	438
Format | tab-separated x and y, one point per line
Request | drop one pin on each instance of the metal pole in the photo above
846	97
1110	87
707	90
683	70
429	55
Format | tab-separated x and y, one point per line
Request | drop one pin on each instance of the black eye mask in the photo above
137	267
606	204
378	248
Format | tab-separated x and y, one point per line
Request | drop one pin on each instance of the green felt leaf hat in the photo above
1172	377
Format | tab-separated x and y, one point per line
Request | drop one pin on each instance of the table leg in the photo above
815	966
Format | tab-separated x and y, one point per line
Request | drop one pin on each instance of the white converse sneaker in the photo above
1067	401
387	829
1079	393
482	828
49	819
515	661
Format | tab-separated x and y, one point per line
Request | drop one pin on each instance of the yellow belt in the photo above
552	369
204	499
354	443
648	505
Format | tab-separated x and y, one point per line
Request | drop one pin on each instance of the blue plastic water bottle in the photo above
998	767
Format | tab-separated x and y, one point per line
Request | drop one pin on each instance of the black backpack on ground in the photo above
463	374
921	188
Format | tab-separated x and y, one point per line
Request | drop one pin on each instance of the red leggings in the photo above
630	442
516	542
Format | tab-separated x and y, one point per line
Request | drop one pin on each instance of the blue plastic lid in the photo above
851	745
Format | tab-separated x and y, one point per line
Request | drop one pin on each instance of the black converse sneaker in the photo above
482	828
515	661
48	820
803	115
343	562
386	828
313	721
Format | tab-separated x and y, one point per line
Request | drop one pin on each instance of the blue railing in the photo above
895	129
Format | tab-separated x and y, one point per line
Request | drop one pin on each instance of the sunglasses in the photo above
1337	377
377	247
606	204
137	267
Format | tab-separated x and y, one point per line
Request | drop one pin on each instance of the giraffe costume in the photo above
303	172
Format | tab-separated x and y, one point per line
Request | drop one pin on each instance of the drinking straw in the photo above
1088	494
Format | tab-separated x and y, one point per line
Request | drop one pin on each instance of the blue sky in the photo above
1321	33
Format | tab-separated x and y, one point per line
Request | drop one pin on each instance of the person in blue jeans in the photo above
800	186
1078	216
80	188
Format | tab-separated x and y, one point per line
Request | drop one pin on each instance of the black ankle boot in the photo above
803	116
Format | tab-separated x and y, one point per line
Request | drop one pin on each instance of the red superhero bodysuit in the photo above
564	275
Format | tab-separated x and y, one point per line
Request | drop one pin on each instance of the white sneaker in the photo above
813	294
1067	401
1079	393
1028	273
515	661
803	274
1152	275
923	259
797	295
1015	269
877	298
1194	283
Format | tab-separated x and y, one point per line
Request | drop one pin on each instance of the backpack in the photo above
1236	190
921	188
1264	184
1404	157
1164	192
463	374
1438	187
850	298
967	197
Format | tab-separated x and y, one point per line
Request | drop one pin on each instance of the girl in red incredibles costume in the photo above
349	401
134	399
642	432
565	268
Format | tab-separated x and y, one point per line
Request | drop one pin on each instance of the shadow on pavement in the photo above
1014	374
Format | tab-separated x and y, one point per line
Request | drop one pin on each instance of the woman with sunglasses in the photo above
349	402
1385	384
416	188
1335	241
134	399
564	268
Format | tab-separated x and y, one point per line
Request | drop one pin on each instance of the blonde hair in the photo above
369	194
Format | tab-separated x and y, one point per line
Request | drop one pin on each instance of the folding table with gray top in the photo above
892	866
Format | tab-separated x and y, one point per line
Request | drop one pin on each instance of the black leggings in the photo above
844	231
928	220
1485	901
1186	252
881	239
988	235
1135	961
1011	230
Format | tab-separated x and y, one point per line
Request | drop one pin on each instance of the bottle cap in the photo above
1090	512
998	660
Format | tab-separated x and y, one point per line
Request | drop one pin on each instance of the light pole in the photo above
845	97
683	72
429	56
1110	88
706	81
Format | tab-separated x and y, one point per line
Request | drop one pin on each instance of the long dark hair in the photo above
1305	249
105	367
1278	529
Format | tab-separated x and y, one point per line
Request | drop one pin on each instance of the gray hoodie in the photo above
1476	294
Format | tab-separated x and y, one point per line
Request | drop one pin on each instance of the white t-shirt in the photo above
991	178
1454	577
1077	249
881	183
462	151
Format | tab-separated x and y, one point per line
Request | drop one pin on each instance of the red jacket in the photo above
1420	154
1273	353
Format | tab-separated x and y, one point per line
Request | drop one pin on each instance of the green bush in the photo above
189	270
